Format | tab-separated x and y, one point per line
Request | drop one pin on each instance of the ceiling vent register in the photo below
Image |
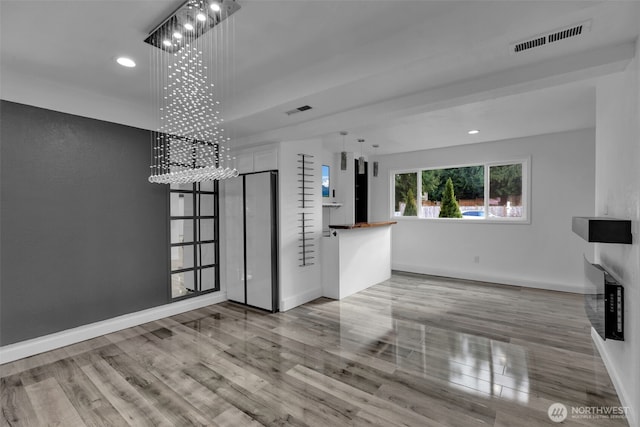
551	37
298	110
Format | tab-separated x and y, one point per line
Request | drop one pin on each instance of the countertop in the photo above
362	225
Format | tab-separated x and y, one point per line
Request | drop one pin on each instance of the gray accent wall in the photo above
83	234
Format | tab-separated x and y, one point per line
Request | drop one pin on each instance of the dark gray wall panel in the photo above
83	233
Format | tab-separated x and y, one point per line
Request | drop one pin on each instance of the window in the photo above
406	194
326	181
505	191
489	192
193	241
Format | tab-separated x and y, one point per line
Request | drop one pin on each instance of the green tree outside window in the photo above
449	206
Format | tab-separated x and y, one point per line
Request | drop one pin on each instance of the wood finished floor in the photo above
412	351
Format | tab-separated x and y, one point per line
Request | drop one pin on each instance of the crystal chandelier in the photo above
188	66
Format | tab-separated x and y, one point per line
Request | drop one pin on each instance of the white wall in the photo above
343	182
544	253
298	285
618	196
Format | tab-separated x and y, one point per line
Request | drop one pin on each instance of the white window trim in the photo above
526	193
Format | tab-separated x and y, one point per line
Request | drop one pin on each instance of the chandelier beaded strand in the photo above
190	62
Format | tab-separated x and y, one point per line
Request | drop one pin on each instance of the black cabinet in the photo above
602	229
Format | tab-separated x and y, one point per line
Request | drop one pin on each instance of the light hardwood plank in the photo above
412	351
131	405
367	402
233	417
90	403
17	409
51	404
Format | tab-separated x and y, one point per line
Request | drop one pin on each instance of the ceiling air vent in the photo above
530	44
551	37
298	110
571	32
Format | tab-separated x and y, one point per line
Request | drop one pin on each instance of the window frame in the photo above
526	192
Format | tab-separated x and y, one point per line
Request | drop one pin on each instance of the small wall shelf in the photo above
602	229
331	205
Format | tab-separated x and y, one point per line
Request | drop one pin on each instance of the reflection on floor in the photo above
415	350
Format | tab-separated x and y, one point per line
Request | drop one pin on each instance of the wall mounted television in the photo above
604	302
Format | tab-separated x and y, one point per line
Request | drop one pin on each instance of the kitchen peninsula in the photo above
355	257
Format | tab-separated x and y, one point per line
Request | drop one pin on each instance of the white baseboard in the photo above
615	379
504	280
296	300
11	352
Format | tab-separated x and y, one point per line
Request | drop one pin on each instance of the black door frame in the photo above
275	220
361	193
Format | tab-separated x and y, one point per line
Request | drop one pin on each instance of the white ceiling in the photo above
567	107
405	74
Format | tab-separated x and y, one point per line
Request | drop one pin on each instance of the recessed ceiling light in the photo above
201	17
167	43
188	26
473	131
177	35
126	62
215	7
